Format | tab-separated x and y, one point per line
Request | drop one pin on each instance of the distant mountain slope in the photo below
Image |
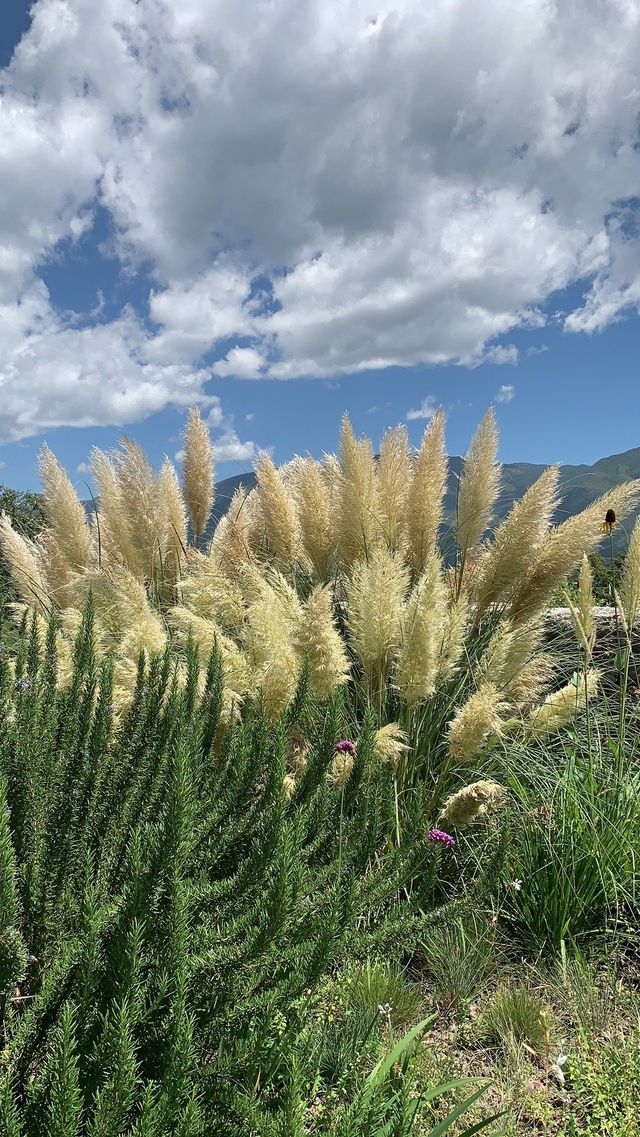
580	485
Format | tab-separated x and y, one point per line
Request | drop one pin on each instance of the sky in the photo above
282	211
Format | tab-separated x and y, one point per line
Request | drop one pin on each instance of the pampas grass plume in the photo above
630	587
561	707
479	485
358	514
375	597
471	802
197	473
390	743
68	536
322	646
278	513
394	477
474	722
25	565
423	626
426	492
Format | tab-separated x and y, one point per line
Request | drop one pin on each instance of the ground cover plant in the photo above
300	822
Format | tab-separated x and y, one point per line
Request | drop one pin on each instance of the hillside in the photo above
580	485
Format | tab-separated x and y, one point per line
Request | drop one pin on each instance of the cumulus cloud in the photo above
311	189
506	392
83	468
427	409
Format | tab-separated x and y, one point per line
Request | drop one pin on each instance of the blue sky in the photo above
299	214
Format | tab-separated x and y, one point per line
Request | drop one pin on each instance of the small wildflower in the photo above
442	837
111	707
144	690
516	885
384	1009
609	522
345	746
25	684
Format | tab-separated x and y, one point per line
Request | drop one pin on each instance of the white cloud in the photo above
83	468
228	447
427	409
250	416
506	392
314	192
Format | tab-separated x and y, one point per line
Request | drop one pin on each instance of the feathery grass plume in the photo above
197	473
561	707
475	722
67	541
144	631
288	786
24	562
513	663
425	496
394	477
358	514
298	747
375	598
479	486
517	539
563	548
453	638
315	517
173	512
390	742
141	504
340	769
231	541
209	638
471	802
278	510
630	587
582	614
422	635
321	644
113	533
270	634
206	590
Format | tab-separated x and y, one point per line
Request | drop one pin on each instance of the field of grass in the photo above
303	832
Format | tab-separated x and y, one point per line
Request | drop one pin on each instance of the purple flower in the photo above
441	836
25	684
345	746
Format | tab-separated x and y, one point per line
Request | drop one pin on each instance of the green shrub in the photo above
519	1015
458	956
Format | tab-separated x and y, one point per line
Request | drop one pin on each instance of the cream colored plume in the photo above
113	533
471	802
209	638
340	769
231	544
278	511
475	722
582	613
422	635
142	505
561	707
453	638
564	546
514	664
358	513
394	477
375	597
67	540
270	635
24	561
321	645
479	486
425	497
517	540
630	587
172	509
208	592
315	517
390	743
197	473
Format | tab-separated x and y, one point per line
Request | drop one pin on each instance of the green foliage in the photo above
574	841
168	916
604	1084
458	956
519	1015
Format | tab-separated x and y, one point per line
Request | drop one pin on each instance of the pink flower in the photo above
441	836
345	746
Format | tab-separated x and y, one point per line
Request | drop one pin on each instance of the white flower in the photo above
516	885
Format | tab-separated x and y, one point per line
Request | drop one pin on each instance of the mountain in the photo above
579	486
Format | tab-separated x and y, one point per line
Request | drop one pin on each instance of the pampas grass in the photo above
68	542
321	645
478	488
197	473
278	511
358	510
425	496
375	599
422	636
